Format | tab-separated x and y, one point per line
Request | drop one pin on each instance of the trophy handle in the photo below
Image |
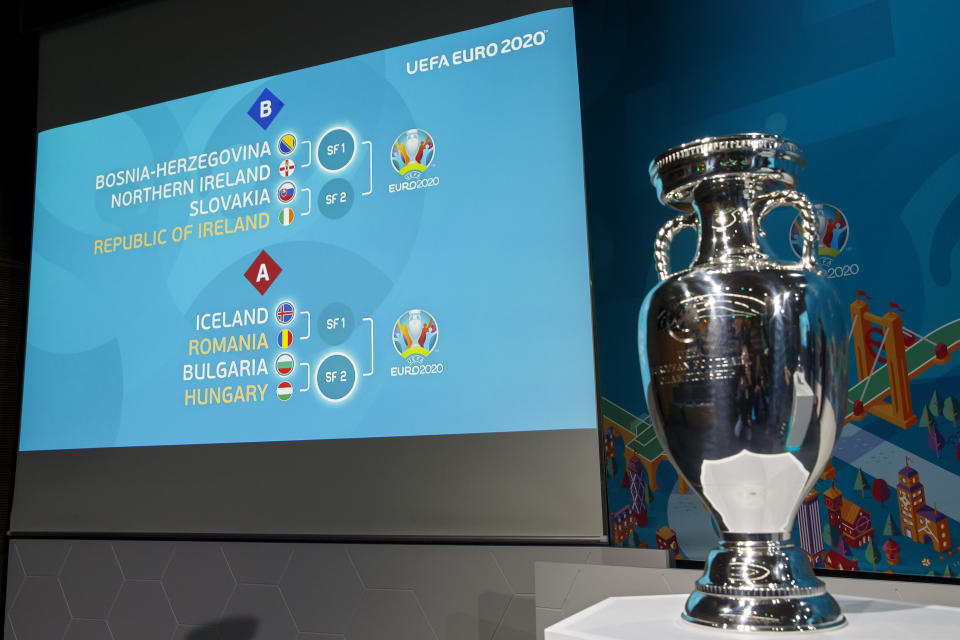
661	248
767	202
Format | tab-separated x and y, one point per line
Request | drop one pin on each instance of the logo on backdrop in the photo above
833	232
412	152
265	108
415	333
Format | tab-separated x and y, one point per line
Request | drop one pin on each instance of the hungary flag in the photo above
284	364
284	390
286	216
284	338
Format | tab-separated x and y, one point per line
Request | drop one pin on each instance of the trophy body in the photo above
744	371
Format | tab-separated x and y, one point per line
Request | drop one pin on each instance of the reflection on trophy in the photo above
744	371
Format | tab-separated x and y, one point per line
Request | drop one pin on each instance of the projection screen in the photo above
311	269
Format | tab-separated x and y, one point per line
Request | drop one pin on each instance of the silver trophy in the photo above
744	366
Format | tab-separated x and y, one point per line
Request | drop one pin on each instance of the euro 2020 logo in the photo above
415	333
833	232
412	152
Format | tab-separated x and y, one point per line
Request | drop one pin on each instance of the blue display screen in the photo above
388	245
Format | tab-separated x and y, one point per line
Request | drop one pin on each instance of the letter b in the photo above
266	108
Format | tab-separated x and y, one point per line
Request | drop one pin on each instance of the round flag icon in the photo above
284	364
284	390
286	216
284	338
285	312
287	167
286	191
287	143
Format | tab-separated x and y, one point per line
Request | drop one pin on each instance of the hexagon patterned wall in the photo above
190	590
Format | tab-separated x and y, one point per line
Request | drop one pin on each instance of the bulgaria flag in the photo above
284	338
284	390
286	216
284	364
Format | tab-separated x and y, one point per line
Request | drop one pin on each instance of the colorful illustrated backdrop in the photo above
870	91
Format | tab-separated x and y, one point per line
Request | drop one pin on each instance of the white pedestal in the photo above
659	617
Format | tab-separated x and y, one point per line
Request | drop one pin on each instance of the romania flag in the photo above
285	338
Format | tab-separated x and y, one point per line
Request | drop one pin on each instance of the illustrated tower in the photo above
833	501
811	531
609	450
621	524
899	410
919	521
910	498
638	487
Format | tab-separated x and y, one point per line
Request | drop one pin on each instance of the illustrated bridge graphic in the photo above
884	390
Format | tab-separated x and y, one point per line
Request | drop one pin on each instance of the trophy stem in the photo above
761	583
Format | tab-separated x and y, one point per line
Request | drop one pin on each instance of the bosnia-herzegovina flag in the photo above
287	143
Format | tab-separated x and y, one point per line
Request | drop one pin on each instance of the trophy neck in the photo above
728	229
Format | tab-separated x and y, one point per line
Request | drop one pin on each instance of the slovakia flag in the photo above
287	191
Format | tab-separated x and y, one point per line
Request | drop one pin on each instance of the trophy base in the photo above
759	582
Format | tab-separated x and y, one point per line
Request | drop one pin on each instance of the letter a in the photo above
266	108
262	273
